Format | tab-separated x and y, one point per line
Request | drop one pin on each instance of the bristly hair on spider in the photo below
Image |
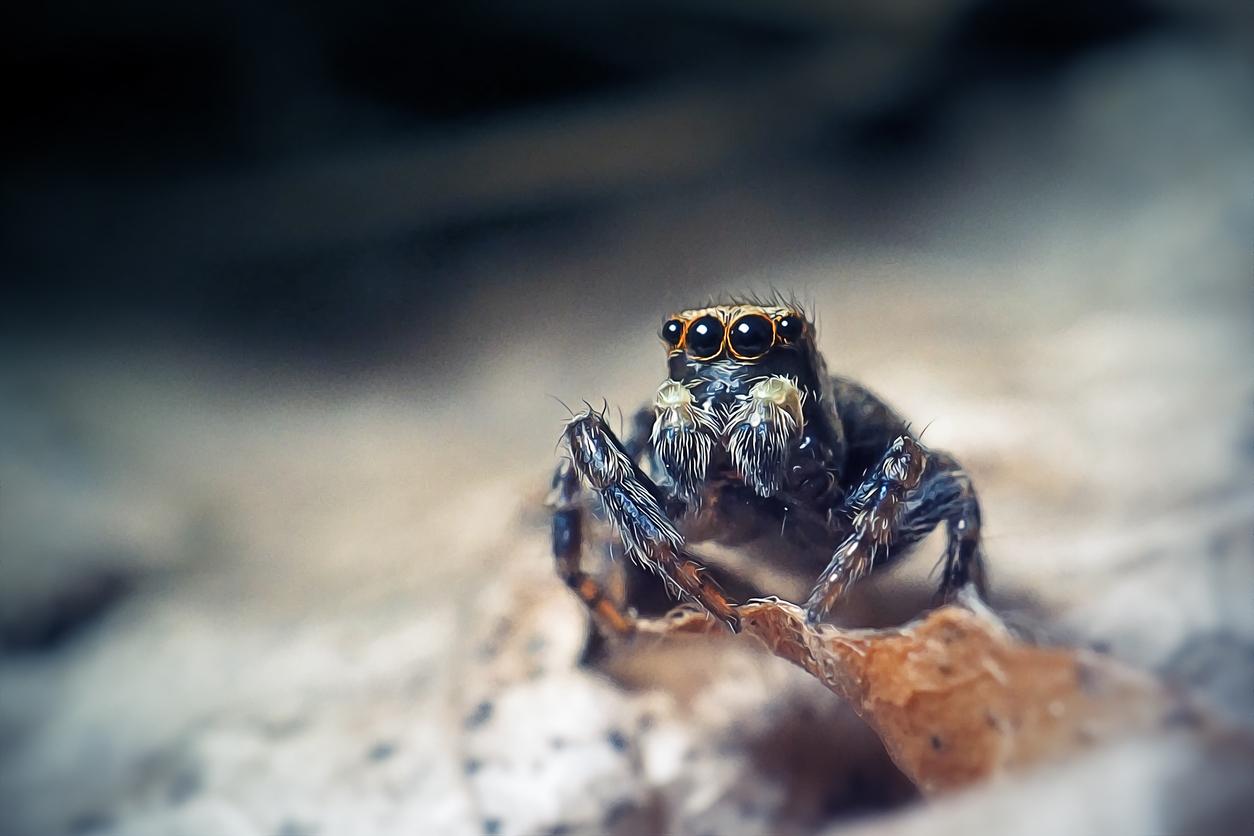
746	431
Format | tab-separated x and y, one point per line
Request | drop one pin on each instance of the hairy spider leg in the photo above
964	559
567	531
901	499
634	506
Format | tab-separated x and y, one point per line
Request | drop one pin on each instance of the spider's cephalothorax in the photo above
745	394
749	437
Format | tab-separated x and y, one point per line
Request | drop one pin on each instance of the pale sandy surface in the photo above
314	642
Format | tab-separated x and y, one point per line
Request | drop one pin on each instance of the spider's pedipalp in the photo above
761	429
684	435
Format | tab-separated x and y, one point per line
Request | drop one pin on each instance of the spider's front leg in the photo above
568	528
635	507
899	502
568	535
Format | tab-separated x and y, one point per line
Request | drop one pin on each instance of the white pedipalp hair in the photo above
760	429
684	435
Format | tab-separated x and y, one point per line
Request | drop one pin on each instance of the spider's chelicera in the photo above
749	437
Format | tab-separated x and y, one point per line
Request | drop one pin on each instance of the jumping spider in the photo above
750	438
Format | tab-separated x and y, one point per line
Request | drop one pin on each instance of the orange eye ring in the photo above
673	332
704	337
789	327
751	336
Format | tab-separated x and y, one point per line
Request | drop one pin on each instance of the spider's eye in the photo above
705	337
751	336
789	327
673	331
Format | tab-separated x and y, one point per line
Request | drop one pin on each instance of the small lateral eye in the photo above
789	327
751	336
673	331
705	337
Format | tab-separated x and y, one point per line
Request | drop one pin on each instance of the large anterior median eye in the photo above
705	337
673	331
751	336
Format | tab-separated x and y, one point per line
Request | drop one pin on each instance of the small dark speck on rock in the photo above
481	715
1182	716
295	828
278	728
936	743
618	740
616	812
472	766
951	634
90	823
1087	679
381	751
183	786
491	826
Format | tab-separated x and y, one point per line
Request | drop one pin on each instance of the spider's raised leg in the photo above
636	509
568	527
902	498
568	532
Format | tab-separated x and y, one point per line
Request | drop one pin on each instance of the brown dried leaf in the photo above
955	696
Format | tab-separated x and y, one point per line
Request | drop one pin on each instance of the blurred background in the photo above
287	291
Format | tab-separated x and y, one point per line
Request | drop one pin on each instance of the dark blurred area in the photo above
314	178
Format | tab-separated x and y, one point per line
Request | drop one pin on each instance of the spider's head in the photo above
741	340
744	378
